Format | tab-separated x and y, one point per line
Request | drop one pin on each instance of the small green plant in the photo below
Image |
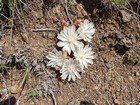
8	6
11	6
1	5
119	3
33	93
0	67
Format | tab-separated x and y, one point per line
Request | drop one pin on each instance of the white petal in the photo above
51	63
85	64
73	28
73	77
89	61
61	38
72	47
69	78
67	48
61	44
77	74
64	76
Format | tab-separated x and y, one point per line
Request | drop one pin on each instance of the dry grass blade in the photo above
43	29
18	87
67	12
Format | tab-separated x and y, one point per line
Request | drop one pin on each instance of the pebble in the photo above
102	26
82	90
96	87
137	73
131	78
98	102
116	101
126	17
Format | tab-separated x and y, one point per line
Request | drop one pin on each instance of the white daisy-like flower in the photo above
84	55
71	69
56	58
68	39
86	30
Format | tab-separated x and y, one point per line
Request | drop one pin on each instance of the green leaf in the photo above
1	5
33	93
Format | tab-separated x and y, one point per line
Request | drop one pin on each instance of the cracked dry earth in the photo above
113	79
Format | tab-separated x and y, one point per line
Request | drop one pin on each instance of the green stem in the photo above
24	78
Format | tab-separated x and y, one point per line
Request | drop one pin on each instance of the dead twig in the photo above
4	16
67	12
70	88
5	85
43	29
53	97
131	11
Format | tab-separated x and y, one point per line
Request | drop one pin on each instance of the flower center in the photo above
80	56
83	31
71	40
71	67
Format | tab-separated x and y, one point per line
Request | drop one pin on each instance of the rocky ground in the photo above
113	79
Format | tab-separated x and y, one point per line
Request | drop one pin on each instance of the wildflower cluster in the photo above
75	55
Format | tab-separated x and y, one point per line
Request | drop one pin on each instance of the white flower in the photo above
86	30
68	39
84	55
70	70
56	58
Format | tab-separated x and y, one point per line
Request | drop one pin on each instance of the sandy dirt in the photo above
113	79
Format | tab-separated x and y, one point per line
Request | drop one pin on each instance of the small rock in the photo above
137	73
138	25
109	65
74	102
109	21
102	26
117	102
9	101
131	78
98	102
126	17
25	37
85	103
82	89
96	87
